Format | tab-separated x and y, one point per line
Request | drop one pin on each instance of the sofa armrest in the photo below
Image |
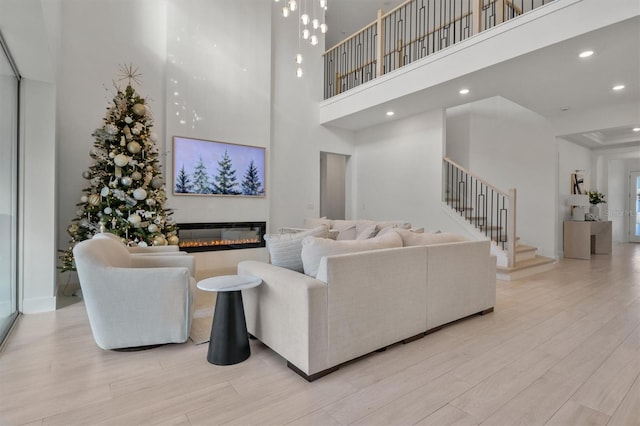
459	283
164	261
288	313
375	298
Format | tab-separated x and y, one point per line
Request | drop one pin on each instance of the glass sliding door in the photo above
634	204
9	102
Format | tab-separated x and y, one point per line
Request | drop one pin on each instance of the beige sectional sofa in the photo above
360	302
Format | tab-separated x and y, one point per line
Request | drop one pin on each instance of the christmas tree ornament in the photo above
111	129
94	199
153	136
112	155
159	241
128	120
134	147
84	222
134	220
86	174
142	244
152	228
107	210
156	182
150	202
127	133
139	110
136	175
173	240
139	194
84	199
95	181
105	191
121	160
126	180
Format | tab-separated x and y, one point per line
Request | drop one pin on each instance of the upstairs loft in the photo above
431	49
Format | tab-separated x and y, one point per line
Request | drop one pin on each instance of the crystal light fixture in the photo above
311	20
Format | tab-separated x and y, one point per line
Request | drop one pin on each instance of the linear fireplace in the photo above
198	237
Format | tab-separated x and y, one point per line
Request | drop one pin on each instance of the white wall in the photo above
38	195
512	147
296	136
218	88
398	172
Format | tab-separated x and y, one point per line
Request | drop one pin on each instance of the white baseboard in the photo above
37	305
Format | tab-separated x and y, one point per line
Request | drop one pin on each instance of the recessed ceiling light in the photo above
586	53
390	113
464	91
636	129
618	87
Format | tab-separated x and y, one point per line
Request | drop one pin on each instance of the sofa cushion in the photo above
393	224
285	249
410	238
311	222
314	249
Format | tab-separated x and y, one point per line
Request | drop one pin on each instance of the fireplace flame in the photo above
213	243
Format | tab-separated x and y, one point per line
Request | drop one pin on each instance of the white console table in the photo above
584	238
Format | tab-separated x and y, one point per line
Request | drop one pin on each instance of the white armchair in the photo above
134	300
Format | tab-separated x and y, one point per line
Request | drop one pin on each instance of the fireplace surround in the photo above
212	236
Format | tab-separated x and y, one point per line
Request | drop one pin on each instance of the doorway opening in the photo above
333	185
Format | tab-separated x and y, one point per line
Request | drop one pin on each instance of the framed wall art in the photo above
205	167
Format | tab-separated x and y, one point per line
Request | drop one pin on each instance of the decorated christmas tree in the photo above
125	193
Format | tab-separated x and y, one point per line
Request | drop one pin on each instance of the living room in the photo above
225	71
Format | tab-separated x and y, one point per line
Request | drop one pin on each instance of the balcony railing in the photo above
489	209
411	31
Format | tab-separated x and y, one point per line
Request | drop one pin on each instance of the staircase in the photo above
492	213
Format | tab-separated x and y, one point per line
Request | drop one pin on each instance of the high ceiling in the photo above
552	81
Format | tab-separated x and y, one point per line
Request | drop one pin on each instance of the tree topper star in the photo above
129	73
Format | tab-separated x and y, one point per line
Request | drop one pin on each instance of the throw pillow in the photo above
368	232
346	229
285	249
314	249
410	238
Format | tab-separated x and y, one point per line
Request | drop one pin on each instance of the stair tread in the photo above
528	263
524	247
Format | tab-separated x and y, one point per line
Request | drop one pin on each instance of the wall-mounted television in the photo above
213	168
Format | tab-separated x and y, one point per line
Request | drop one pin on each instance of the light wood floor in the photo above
561	348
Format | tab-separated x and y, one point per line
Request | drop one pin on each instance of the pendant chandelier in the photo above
310	22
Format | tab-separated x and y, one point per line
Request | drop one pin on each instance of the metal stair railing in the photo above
409	32
489	209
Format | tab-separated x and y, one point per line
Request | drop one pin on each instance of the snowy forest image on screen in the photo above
202	167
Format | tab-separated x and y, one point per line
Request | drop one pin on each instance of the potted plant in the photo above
595	198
